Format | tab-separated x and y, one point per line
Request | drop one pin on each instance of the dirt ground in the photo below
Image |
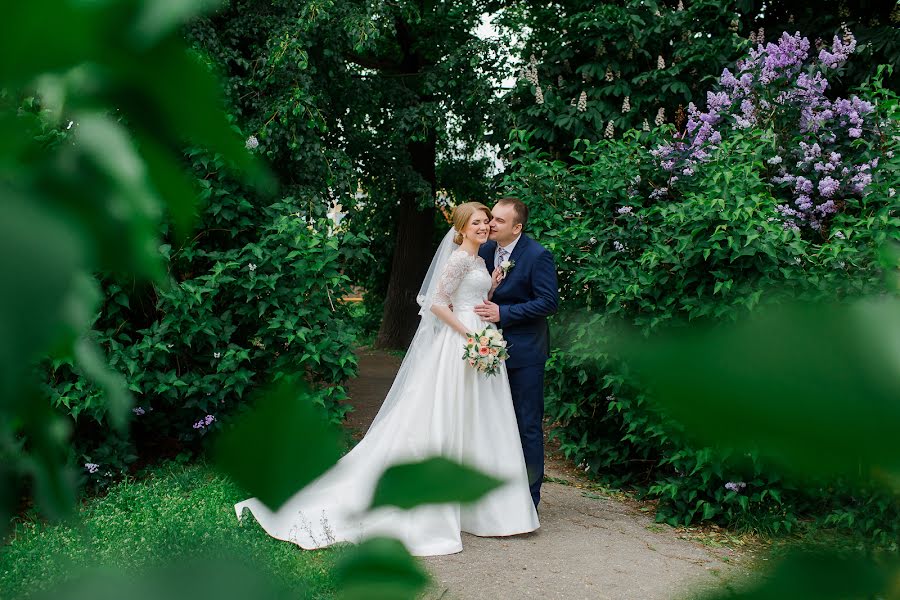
592	543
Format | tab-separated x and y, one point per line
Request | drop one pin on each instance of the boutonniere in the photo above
506	266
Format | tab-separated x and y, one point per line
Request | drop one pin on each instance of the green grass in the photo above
178	511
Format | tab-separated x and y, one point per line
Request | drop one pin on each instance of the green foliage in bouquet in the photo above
714	246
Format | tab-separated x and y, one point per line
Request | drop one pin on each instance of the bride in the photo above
437	405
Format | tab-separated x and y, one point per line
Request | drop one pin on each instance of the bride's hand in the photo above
496	278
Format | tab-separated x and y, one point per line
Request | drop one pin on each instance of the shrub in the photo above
255	296
714	245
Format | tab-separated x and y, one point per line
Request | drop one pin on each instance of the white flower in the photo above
891	192
582	102
609	74
251	143
645	126
336	215
660	117
505	265
593	240
660	62
251	266
619	246
626	104
539	95
217	355
775	160
680	5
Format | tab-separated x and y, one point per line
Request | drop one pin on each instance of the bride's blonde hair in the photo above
461	215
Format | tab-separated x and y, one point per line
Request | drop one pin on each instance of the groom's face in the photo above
504	228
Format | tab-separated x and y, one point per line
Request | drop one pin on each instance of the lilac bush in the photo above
779	89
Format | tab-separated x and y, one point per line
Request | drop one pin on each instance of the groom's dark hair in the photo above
518	206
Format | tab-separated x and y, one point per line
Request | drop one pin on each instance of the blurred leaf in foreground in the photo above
279	447
379	569
805	575
432	481
812	387
189	579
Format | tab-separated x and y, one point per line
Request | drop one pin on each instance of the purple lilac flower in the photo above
91	467
840	52
659	193
138	410
829	186
803	202
735	486
204	422
625	210
619	246
770	78
803	185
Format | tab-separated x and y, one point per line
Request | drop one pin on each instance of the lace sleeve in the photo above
456	268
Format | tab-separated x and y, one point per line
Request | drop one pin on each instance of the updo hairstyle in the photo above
461	216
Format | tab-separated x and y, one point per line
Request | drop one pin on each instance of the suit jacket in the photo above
527	296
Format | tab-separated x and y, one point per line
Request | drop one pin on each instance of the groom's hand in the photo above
488	311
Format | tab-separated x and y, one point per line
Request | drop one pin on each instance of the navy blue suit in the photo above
527	296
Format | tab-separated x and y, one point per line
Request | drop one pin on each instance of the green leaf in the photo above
813	576
278	448
432	481
812	387
158	18
379	569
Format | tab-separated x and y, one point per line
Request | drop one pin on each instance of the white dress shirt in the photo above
509	250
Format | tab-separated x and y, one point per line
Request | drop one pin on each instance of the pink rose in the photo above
483	351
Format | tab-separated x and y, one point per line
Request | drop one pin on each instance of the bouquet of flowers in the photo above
485	350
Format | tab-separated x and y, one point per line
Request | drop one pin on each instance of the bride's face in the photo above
479	227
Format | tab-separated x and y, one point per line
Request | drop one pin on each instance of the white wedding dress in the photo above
438	405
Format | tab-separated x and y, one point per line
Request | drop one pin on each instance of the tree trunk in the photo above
413	250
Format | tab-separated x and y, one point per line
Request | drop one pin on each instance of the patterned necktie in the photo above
501	256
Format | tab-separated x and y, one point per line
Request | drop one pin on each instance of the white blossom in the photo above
645	126
609	131
336	215
626	104
660	117
660	62
539	95
609	74
251	266
582	102
680	5
251	143
217	355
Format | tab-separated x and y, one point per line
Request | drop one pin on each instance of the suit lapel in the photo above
524	240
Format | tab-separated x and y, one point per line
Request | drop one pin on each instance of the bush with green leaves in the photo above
716	249
254	296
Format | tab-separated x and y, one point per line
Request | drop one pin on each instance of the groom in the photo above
526	296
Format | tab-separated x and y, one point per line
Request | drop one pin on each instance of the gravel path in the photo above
590	544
